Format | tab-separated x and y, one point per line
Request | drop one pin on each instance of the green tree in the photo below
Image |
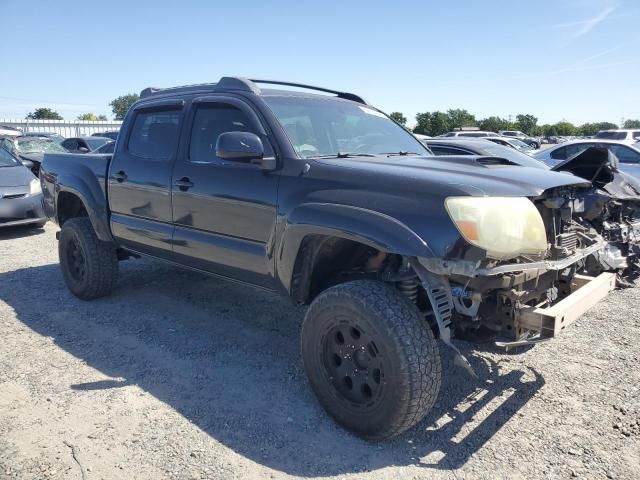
495	124
631	124
432	123
526	123
459	118
92	117
399	117
565	128
121	105
43	113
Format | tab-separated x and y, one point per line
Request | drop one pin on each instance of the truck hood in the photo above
18	176
464	175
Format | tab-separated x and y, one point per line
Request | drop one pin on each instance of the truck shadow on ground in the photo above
227	358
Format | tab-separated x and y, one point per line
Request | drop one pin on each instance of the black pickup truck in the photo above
323	198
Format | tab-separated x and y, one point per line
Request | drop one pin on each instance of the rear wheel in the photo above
371	359
89	266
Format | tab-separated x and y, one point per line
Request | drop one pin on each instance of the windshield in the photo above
38	145
328	126
8	160
612	135
513	155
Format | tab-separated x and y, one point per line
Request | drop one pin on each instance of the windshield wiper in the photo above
401	153
344	155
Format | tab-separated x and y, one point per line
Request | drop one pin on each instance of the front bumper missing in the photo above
548	322
473	269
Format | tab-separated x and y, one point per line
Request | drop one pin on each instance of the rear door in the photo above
224	211
140	178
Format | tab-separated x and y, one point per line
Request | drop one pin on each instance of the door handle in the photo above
184	184
120	176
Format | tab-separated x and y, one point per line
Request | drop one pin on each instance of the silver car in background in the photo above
628	155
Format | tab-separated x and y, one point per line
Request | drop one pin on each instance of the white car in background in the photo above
628	155
629	136
9	131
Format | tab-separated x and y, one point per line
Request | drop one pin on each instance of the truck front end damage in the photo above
612	208
534	295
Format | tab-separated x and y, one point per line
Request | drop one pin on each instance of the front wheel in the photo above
371	358
89	266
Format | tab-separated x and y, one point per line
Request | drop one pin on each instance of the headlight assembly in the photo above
34	187
503	226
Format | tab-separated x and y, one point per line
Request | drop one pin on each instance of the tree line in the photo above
119	107
427	123
437	123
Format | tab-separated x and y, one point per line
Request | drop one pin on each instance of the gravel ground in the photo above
178	375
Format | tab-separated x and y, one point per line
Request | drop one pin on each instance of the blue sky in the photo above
577	60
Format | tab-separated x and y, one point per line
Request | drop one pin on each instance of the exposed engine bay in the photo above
593	232
612	207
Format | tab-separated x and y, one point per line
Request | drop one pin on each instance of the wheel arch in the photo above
318	233
76	197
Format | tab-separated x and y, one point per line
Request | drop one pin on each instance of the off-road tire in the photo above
99	271
406	349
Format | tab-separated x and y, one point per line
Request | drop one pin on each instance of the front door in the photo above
224	211
140	179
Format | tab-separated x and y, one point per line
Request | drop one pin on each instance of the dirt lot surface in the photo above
178	375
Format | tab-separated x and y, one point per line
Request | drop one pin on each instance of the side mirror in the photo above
243	146
83	150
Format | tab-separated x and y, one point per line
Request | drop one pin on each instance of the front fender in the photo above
362	225
84	184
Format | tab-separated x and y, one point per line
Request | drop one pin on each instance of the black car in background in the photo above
20	194
441	146
84	144
113	135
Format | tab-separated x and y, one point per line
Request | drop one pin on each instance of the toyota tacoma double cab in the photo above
318	195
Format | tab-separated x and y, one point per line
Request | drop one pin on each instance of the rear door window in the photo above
154	135
625	154
559	153
636	135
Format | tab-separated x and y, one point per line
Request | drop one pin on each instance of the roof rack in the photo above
247	85
346	95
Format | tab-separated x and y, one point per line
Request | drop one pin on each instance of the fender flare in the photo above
92	197
378	230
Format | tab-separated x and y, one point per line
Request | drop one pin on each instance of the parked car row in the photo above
507	136
323	198
30	149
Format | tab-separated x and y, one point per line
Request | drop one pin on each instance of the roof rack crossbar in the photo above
345	95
